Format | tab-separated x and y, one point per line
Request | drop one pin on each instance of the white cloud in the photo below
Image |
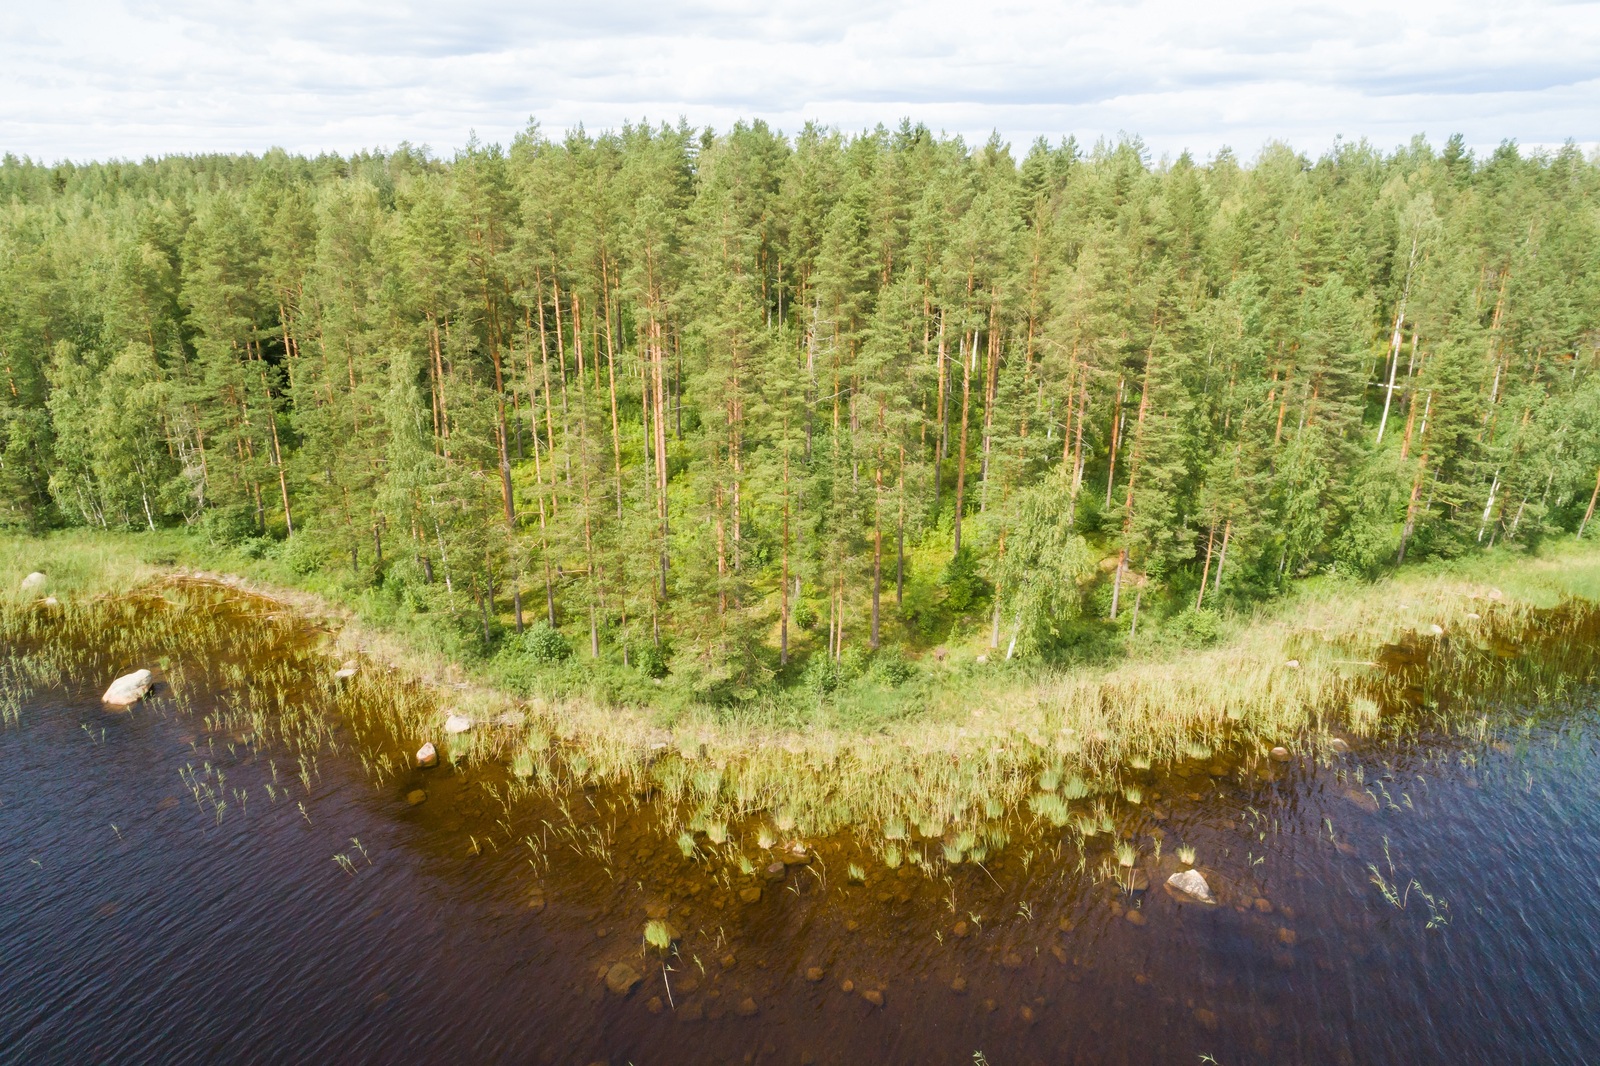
81	79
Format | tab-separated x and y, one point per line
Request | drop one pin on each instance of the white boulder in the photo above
33	582
347	671
128	689
427	755
457	723
1192	884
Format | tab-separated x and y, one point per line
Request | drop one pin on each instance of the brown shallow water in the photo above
160	904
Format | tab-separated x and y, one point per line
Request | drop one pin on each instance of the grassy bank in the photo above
954	743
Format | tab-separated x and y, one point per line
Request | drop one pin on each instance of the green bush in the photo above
544	643
1199	628
301	554
965	588
804	615
892	668
652	660
820	675
228	526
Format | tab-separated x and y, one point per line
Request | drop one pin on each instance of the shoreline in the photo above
1288	676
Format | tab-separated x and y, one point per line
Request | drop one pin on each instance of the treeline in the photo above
718	400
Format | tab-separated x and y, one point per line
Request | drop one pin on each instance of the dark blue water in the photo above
139	925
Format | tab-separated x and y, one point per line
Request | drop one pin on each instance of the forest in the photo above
746	408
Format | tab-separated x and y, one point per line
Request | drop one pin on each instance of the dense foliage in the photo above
717	401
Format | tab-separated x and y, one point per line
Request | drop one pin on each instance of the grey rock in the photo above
128	689
622	978
1191	884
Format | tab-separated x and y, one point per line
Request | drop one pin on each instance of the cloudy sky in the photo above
82	79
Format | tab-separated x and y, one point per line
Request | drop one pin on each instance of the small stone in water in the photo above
1191	884
746	1007
775	871
347	670
457	723
427	755
1263	905
1280	754
128	689
1286	936
416	796
622	978
873	996
814	974
960	930
847	986
1135	917
959	985
751	894
1339	746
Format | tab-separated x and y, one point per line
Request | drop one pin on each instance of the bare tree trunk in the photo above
1116	438
1116	581
943	407
1206	571
1411	509
966	404
1222	556
1593	496
1394	344
783	584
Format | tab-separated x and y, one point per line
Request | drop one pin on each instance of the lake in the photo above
181	889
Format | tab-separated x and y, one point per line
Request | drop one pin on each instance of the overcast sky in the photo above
81	79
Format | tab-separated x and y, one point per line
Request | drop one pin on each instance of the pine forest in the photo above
747	410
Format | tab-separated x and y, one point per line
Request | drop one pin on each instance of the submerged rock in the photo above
751	894
32	583
1280	754
1365	800
746	1007
621	978
457	723
427	755
1191	884
416	796
128	689
1339	746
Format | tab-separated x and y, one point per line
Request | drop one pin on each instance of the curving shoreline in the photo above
1291	676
